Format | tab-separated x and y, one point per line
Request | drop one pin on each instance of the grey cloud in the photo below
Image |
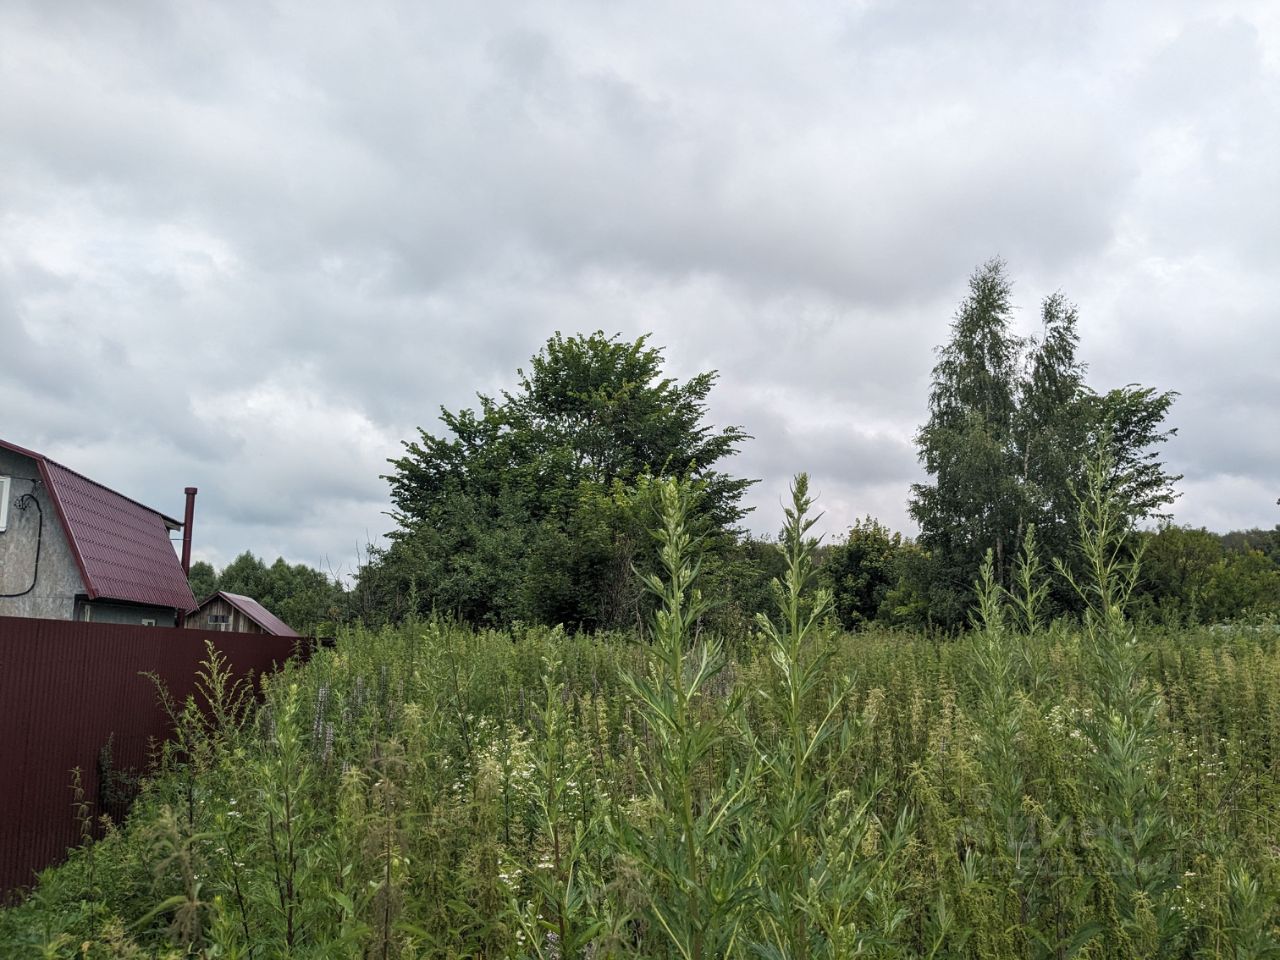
253	247
1230	440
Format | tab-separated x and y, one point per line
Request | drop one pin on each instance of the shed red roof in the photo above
256	612
121	547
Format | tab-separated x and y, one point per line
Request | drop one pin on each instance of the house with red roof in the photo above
237	613
73	549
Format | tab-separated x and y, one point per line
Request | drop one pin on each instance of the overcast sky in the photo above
252	247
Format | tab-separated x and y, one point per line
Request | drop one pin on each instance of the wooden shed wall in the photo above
238	623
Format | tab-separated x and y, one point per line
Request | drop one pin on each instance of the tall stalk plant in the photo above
812	876
694	869
1000	858
1133	837
560	920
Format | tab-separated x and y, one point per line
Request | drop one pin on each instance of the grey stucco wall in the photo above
58	578
102	612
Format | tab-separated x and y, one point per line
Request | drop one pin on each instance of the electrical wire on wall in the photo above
24	503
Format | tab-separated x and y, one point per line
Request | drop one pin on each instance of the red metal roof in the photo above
256	612
121	547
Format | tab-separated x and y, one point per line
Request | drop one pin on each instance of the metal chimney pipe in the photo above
186	531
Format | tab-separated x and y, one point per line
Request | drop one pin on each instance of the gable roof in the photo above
121	547
256	612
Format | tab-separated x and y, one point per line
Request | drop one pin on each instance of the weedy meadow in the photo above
1028	790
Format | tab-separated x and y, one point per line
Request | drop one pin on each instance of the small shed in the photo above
235	613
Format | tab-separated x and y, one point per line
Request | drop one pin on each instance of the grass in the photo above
1025	791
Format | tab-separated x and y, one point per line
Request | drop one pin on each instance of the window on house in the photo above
86	613
148	623
5	483
219	621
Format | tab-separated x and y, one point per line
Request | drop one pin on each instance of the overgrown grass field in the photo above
1026	790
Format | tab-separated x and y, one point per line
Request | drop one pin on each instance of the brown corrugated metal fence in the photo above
66	689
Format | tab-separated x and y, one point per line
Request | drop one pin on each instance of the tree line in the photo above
536	507
305	598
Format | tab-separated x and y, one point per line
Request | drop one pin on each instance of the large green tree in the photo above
1011	423
535	506
975	500
861	572
1130	420
1051	431
203	579
1178	565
